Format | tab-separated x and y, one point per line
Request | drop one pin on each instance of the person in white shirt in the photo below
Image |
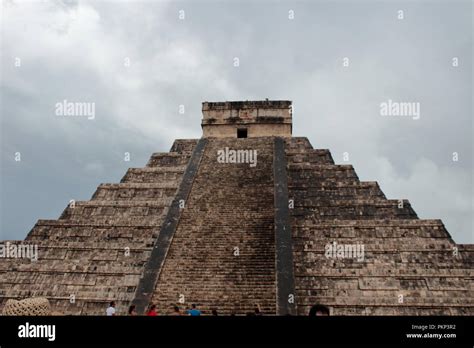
111	310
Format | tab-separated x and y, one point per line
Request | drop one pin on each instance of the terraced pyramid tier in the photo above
95	252
408	266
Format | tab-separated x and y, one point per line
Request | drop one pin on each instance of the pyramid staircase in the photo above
222	255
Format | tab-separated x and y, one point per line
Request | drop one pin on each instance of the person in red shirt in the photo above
152	311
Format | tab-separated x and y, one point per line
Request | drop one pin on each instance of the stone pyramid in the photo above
245	215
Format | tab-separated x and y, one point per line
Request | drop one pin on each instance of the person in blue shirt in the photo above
193	311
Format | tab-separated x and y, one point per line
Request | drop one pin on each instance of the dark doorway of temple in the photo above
319	310
242	133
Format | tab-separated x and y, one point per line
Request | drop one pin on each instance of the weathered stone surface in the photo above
403	255
96	250
258	118
230	206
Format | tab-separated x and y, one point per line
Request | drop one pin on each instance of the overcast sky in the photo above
52	51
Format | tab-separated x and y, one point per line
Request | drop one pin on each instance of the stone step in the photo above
313	202
73	280
306	170
298	143
411	310
374	228
397	309
64	223
309	156
376	244
184	145
130	209
102	267
331	190
89	233
315	187
111	219
383	283
389	258
381	223
80	297
154	175
118	251
135	191
377	234
87	209
402	270
417	299
386	294
359	209
168	159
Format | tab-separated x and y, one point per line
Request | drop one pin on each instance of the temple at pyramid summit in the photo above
245	216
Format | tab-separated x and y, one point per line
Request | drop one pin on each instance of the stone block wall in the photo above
410	266
260	118
95	252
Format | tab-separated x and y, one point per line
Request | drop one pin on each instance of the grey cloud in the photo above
76	51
